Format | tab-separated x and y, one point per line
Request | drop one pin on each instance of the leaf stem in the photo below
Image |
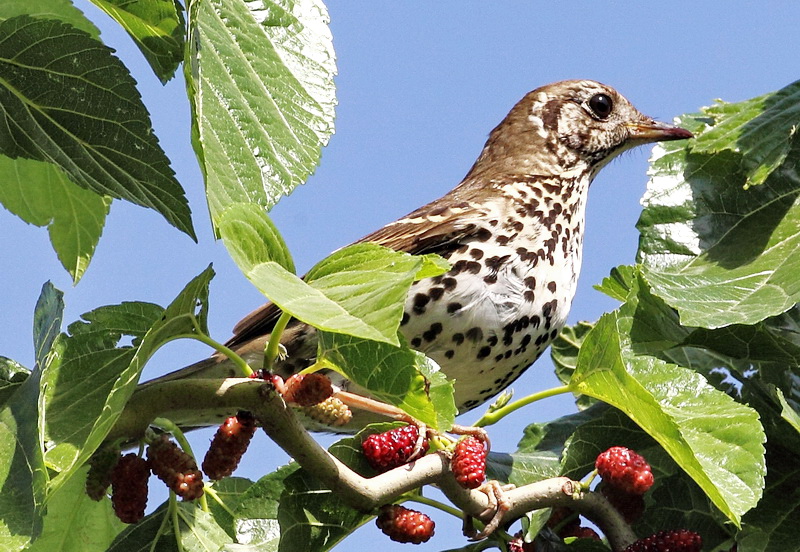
212	492
161	530
271	352
493	417
169	425
237	360
173	511
416	497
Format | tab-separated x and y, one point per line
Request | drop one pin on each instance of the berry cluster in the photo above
229	444
625	470
681	540
626	477
98	479
307	389
129	487
469	462
392	448
175	468
330	412
404	525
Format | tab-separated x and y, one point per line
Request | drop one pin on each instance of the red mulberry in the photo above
175	468
625	469
307	389
404	525
392	448
229	444
129	488
469	462
680	540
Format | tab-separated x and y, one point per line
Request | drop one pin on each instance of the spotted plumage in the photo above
513	233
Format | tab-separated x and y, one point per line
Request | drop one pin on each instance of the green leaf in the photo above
788	413
564	353
359	290
74	522
600	428
617	284
292	506
146	535
42	194
773	525
676	501
762	129
157	27
12	375
251	237
717	441
62	10
309	305
261	84
95	128
521	468
396	375
372	282
89	381
199	531
23	476
716	252
230	491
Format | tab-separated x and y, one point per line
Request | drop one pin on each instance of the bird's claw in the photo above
477	432
497	508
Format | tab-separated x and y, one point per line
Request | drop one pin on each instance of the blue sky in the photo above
420	85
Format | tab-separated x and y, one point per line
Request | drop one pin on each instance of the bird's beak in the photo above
656	131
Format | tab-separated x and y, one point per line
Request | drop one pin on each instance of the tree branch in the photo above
221	398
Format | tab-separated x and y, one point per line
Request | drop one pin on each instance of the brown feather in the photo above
437	227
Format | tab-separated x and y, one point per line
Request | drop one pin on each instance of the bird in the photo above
512	231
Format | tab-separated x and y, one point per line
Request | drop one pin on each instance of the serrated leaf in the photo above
23	475
716	252
359	290
289	506
40	193
95	128
62	10
617	284
76	523
261	84
89	381
396	375
761	128
717	441
157	27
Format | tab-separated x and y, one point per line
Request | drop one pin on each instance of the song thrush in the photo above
513	233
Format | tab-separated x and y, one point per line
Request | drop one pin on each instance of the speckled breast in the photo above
506	297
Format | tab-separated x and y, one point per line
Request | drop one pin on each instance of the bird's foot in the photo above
477	432
497	508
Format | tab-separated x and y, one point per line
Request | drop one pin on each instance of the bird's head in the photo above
570	125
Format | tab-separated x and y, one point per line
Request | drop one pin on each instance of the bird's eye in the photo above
601	105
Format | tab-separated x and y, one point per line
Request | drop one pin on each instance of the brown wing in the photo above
438	227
